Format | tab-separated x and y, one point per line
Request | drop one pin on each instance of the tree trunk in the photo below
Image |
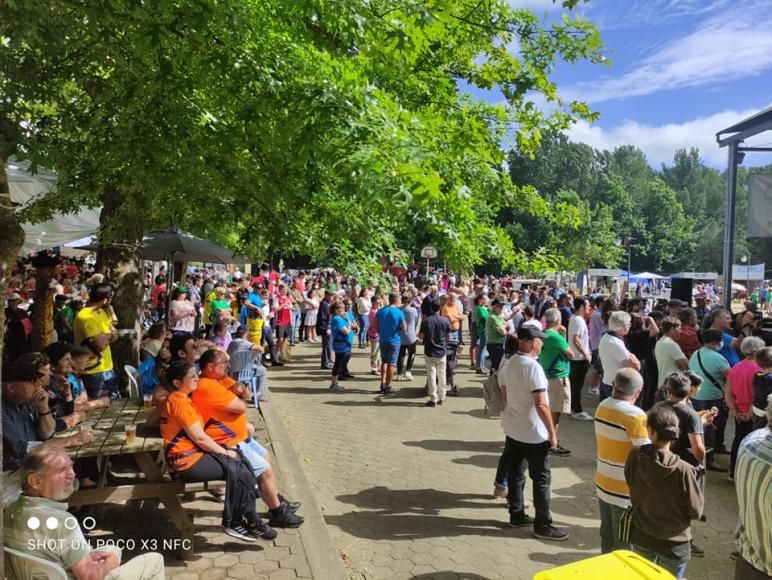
11	240
43	309
119	261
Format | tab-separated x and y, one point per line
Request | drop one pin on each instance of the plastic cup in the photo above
86	427
131	433
147	402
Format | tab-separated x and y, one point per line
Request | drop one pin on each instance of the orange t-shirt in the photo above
177	413
448	311
210	398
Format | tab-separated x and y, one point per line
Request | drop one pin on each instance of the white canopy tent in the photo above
648	276
62	228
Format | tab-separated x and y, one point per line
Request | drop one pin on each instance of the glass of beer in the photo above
131	433
148	401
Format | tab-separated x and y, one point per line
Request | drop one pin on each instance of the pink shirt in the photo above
741	379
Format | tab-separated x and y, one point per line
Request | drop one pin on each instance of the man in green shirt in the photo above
554	359
38	523
496	329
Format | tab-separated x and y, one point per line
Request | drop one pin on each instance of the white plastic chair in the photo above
243	370
134	380
36	567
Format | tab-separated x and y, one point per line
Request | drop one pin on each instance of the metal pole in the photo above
731	194
629	260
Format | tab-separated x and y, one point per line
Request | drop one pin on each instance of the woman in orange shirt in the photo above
194	456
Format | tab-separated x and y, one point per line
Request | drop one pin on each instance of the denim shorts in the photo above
389	353
255	454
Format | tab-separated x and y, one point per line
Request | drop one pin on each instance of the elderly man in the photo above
555	359
619	426
529	431
27	418
613	353
222	403
754	499
38	523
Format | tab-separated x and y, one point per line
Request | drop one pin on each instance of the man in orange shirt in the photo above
222	404
450	311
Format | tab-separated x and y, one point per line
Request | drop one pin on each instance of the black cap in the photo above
496	302
676	303
528	332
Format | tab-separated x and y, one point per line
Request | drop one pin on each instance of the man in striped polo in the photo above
619	426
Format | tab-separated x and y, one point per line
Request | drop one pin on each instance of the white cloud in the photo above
733	44
660	142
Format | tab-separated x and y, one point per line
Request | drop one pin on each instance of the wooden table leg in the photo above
173	506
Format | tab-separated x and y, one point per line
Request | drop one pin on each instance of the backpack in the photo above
494	403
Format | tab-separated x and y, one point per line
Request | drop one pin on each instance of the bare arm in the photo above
95	565
683	363
632	362
199	437
697	446
543	410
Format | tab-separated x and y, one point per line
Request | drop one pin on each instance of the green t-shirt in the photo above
481	317
552	358
495	321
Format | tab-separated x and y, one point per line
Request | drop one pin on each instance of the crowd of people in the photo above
667	377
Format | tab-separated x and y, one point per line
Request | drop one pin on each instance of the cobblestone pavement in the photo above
216	554
406	490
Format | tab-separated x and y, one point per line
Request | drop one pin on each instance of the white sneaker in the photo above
581	416
408	376
337	388
400	378
594	391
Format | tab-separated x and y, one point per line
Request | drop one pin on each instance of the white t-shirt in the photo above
364	306
523	376
667	352
578	327
613	353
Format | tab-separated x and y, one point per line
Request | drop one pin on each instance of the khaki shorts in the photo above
559	391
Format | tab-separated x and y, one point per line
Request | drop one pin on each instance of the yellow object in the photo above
254	330
619	565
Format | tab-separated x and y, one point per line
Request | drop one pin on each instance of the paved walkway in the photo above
405	490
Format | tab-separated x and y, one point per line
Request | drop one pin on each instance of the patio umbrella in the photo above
178	246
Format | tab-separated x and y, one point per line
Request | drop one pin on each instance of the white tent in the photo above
648	276
62	228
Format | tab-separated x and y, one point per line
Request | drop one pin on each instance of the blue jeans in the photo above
675	567
296	316
609	527
364	326
482	343
495	352
254	453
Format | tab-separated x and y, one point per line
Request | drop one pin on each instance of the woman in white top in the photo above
364	305
311	305
182	313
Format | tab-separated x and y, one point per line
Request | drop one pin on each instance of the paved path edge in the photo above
322	554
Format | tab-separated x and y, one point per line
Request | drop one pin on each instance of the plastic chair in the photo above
134	380
244	370
36	566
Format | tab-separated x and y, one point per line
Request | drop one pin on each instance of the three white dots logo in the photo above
69	523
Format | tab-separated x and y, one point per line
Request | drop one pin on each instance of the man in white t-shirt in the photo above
670	357
530	434
579	343
613	353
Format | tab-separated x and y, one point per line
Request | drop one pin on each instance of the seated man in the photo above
27	418
221	401
48	479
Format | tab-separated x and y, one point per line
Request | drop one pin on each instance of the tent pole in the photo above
729	222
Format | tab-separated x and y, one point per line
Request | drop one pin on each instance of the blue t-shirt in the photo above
341	342
75	384
728	352
255	299
389	321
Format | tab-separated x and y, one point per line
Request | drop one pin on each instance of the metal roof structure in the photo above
733	137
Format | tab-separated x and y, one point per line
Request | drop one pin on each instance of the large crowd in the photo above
668	376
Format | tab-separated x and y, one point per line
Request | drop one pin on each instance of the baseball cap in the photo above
676	303
528	332
14	296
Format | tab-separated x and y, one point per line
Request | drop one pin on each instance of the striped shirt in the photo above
753	481
619	426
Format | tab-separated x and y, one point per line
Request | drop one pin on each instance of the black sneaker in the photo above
551	533
453	392
440	402
284	517
520	521
560	451
240	533
277	364
261	530
734	555
387	390
293	505
430	404
697	552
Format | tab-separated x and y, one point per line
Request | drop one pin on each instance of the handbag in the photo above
625	528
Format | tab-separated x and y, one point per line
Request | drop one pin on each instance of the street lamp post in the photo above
628	242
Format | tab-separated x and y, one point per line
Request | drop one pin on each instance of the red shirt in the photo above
741	379
284	313
688	341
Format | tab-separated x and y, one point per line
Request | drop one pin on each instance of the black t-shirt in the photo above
688	422
435	329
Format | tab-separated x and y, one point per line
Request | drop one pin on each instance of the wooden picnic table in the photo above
109	440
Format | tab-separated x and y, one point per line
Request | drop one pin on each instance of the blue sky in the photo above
681	70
